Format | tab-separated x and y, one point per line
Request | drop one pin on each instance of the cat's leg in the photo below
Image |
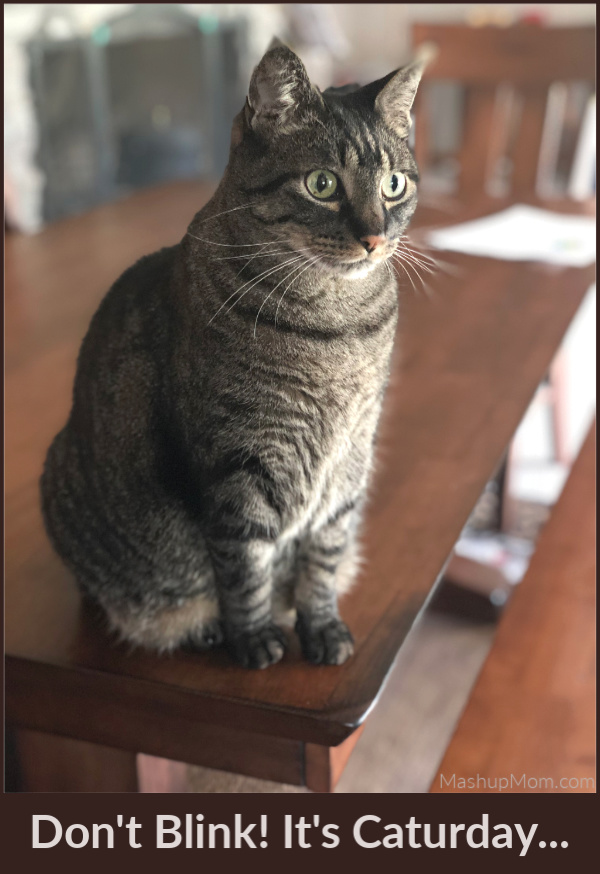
328	563
285	571
241	527
244	570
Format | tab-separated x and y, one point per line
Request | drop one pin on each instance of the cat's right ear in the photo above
280	94
395	100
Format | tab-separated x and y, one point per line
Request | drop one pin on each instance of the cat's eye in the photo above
322	184
393	186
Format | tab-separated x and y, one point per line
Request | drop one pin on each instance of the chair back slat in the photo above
477	152
527	149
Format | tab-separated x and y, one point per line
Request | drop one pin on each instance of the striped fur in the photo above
208	484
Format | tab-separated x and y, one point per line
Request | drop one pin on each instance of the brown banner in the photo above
100	830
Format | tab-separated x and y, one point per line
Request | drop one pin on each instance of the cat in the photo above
210	479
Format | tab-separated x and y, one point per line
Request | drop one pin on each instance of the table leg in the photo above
323	766
161	775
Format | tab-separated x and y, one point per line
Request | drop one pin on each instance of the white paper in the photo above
524	233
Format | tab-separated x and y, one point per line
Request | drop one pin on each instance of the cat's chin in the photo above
349	269
359	271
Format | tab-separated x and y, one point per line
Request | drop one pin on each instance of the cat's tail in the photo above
195	624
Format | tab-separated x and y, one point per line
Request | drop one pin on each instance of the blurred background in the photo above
102	100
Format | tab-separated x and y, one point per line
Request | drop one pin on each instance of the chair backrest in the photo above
518	100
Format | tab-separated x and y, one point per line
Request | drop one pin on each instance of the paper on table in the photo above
524	233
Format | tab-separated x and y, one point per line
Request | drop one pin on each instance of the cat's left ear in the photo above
280	92
394	102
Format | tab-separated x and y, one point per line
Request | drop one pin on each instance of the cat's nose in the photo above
372	242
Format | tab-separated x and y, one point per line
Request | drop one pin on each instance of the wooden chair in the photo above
519	126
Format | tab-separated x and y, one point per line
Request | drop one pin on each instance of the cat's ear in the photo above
394	102
276	44
280	92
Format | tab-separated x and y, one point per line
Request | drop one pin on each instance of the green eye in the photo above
394	186
322	184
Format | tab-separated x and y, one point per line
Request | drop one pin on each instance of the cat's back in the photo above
132	302
127	338
117	378
107	507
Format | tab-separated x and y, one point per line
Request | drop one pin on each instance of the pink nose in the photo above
371	243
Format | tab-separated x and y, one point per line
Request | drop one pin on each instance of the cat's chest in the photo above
336	468
320	425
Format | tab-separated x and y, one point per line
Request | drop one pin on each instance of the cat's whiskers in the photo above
256	279
248	262
405	253
259	279
438	263
401	264
389	269
408	246
417	244
447	267
313	261
225	211
276	242
414	259
417	247
250	258
406	263
411	257
287	276
260	255
265	255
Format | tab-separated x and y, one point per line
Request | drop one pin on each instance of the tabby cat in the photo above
210	478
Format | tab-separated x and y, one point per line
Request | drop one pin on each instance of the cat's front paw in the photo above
258	649
330	644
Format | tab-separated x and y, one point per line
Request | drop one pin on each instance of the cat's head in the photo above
330	174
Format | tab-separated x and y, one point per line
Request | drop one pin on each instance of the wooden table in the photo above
532	712
468	361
